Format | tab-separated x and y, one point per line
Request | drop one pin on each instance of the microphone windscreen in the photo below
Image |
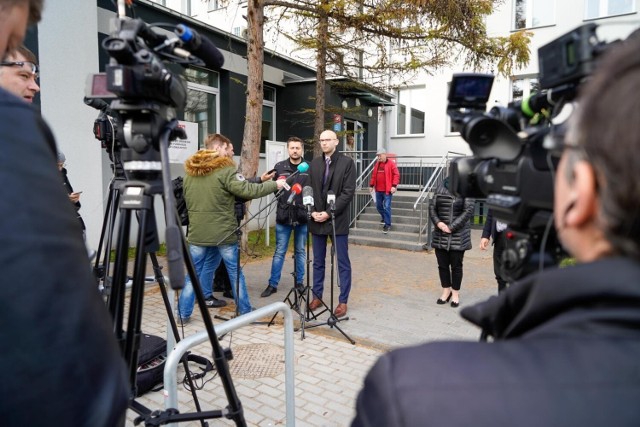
296	188
307	191
303	167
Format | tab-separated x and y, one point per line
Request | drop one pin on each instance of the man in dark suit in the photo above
334	174
495	229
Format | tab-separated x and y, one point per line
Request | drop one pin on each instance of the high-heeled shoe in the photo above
455	304
442	301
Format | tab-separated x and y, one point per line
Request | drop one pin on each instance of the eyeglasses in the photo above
33	67
328	140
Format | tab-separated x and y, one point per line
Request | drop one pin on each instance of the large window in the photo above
523	87
268	117
601	8
202	102
410	111
533	13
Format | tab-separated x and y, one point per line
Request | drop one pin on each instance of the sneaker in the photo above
386	229
268	291
227	294
184	321
213	302
300	288
382	221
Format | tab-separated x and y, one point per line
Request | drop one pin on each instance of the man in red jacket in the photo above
384	181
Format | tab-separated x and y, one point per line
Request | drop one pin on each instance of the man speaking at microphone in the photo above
291	217
333	174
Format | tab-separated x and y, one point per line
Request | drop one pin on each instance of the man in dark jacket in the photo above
333	177
494	229
566	341
62	364
291	217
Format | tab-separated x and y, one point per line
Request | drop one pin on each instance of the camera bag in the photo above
151	361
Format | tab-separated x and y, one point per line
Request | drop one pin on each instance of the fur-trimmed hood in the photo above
205	162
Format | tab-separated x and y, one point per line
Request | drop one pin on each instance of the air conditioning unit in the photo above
245	34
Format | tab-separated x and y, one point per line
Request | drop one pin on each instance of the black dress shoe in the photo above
267	292
442	301
455	304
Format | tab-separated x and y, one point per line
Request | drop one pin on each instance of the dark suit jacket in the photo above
61	362
342	181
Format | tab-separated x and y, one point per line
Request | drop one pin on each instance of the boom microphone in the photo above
200	47
295	190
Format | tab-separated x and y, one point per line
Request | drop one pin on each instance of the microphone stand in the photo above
333	320
298	301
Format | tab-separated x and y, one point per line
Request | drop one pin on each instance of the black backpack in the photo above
151	360
181	205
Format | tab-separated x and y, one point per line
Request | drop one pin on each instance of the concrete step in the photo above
384	241
397	226
394	211
395	219
395	232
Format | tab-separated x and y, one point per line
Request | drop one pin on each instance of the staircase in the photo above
405	223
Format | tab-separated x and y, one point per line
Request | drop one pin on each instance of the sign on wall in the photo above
181	149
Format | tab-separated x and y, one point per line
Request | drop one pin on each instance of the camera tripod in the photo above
297	297
136	196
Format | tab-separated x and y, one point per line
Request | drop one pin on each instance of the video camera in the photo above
513	163
145	94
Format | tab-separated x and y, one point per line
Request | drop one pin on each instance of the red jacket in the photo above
391	175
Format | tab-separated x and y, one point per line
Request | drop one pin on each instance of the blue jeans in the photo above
344	265
383	204
206	260
283	233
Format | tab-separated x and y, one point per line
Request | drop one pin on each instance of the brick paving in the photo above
392	304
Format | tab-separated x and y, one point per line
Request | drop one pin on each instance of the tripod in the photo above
297	298
137	196
333	320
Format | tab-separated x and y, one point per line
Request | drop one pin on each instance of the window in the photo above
533	13
523	87
601	8
202	102
214	5
268	117
410	111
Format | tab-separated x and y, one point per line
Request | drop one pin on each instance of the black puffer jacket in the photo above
456	213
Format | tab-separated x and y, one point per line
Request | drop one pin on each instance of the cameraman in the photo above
61	362
566	341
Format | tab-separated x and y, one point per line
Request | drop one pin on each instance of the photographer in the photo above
566	341
62	364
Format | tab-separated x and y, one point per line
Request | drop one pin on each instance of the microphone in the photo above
200	47
295	190
96	103
331	200
286	186
307	198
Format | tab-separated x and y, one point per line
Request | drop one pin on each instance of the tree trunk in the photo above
321	70
250	152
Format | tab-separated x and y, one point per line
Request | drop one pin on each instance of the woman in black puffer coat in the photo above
451	237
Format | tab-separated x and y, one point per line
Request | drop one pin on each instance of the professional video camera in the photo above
513	163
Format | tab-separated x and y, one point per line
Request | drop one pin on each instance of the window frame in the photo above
603	6
529	15
409	106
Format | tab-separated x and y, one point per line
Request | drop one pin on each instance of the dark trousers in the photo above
319	243
499	244
450	268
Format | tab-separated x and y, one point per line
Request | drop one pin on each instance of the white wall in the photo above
67	38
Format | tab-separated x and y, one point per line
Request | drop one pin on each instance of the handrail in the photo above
174	357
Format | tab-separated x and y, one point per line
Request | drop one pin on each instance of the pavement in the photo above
392	304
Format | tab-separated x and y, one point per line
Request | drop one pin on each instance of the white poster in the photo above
276	152
181	149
